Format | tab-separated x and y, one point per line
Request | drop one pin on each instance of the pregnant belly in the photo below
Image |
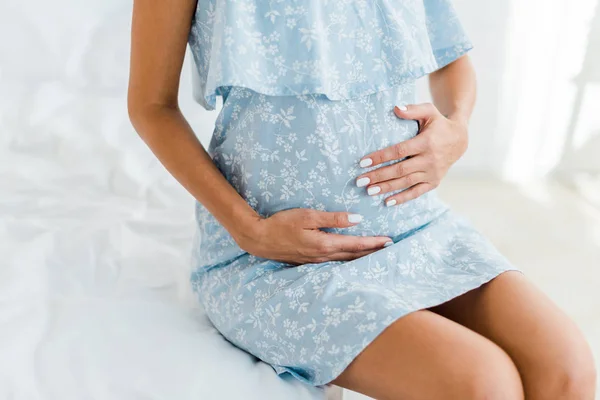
303	151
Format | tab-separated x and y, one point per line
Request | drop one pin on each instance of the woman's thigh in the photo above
426	356
551	354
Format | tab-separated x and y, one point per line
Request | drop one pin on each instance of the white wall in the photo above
538	63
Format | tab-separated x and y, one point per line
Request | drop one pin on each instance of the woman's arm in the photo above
158	41
441	141
453	89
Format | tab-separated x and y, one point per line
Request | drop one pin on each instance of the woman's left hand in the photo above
425	159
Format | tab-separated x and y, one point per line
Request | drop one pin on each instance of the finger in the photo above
397	184
418	112
394	171
340	256
408	194
355	244
349	256
326	219
397	151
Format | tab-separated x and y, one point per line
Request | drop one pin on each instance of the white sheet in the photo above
94	234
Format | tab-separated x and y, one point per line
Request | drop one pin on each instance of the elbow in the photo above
142	112
137	111
134	110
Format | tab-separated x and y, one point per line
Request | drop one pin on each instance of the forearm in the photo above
453	89
171	139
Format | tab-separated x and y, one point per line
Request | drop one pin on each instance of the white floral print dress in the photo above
308	88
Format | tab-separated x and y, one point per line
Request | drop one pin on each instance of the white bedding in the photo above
94	234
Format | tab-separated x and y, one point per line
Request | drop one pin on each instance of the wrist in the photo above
246	227
462	124
459	118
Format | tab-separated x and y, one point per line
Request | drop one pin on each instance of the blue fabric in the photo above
342	48
280	150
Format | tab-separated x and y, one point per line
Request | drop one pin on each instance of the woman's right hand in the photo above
293	236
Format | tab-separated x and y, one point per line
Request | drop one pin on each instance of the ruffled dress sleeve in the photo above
446	33
342	49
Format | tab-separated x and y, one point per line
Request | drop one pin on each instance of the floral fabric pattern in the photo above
281	152
308	88
339	48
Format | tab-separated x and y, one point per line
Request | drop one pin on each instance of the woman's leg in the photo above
426	356
551	354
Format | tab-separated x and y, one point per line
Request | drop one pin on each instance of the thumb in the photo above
418	112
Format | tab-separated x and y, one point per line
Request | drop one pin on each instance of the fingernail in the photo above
373	190
362	182
390	203
367	162
387	244
402	107
354	218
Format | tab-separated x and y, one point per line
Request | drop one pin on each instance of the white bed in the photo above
93	303
94	235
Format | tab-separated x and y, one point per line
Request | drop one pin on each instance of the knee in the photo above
495	378
574	378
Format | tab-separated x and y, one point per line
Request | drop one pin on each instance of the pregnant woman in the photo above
322	248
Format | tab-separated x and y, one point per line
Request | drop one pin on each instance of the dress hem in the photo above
322	382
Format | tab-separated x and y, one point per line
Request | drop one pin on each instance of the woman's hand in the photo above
293	236
425	159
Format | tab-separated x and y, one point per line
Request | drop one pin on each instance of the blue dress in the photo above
308	88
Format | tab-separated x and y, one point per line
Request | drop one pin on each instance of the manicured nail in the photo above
387	244
354	218
362	182
373	190
367	162
402	107
390	203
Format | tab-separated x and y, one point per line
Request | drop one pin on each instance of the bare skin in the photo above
550	352
442	139
470	348
484	344
159	37
425	356
551	355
